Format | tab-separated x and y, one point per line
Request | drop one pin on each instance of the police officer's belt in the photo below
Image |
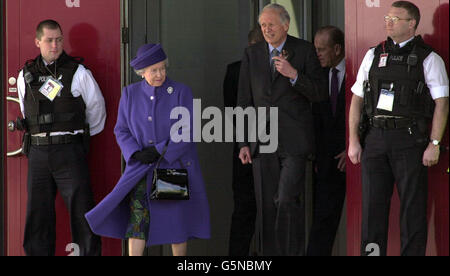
391	123
55	140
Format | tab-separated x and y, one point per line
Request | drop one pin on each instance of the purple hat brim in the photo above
152	56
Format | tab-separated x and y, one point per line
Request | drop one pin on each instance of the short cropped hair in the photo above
335	35
49	24
284	15
412	10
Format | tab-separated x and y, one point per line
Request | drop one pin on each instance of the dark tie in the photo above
334	89
396	46
274	53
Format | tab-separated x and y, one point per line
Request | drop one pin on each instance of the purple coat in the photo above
144	120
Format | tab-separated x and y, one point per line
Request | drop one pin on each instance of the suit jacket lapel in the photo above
288	49
341	99
264	61
342	88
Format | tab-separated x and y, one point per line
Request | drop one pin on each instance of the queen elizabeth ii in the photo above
143	133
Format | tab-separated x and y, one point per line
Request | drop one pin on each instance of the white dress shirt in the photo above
433	68
83	84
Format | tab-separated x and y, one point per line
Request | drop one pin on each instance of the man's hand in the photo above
245	155
438	125
431	155
284	67
341	164
354	152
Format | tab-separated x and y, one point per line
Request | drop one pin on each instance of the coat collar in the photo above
167	87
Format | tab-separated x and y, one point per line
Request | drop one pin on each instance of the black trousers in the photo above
328	200
280	196
63	168
244	213
394	155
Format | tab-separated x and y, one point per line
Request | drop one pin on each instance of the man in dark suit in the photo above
282	72
244	213
329	122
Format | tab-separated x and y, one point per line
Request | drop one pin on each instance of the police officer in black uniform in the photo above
401	87
62	106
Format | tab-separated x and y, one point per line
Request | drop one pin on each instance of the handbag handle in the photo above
162	156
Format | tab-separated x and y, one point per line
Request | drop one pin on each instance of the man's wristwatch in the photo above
435	142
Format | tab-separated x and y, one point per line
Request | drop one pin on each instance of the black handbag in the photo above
169	184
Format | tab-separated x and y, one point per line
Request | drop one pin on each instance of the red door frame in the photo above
364	29
93	32
2	121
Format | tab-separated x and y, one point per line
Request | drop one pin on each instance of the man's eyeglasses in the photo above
394	19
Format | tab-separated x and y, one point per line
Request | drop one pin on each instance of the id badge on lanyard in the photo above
383	60
386	99
51	88
383	57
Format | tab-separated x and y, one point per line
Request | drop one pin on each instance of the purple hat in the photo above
147	55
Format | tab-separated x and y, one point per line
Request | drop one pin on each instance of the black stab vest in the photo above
410	100
65	112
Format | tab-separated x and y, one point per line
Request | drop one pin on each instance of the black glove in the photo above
21	124
147	155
